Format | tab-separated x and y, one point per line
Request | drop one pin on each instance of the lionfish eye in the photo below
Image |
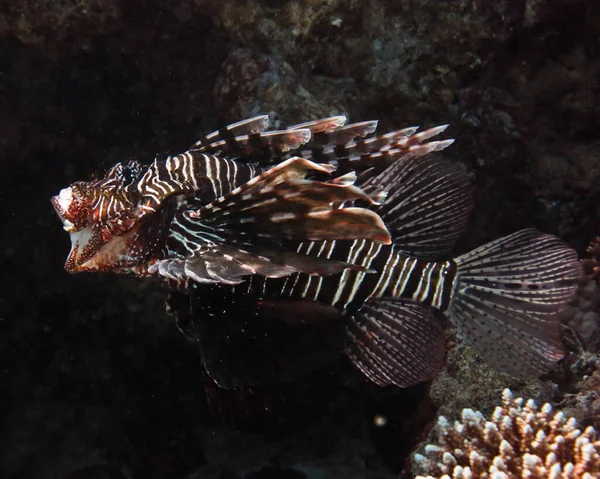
129	173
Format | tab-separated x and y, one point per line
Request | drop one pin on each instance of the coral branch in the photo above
520	441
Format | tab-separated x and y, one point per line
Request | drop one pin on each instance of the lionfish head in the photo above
101	218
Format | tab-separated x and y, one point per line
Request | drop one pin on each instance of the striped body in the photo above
395	275
204	177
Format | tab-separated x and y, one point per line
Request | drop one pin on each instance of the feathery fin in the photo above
507	293
324	125
346	134
397	342
250	126
280	204
427	207
238	234
326	140
260	147
231	263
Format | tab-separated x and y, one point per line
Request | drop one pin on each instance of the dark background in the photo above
95	380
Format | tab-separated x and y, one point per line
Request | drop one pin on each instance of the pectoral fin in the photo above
282	204
231	264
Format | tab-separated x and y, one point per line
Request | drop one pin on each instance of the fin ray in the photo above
249	126
428	204
262	147
232	263
281	204
397	342
508	293
323	125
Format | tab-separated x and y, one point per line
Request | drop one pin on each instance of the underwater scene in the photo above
300	239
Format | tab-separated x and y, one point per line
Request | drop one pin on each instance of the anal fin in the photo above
398	342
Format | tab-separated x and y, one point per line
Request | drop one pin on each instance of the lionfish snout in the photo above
74	206
69	206
105	229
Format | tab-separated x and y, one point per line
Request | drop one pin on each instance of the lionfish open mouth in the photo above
61	204
85	241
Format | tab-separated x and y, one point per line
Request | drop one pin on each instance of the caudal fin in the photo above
506	297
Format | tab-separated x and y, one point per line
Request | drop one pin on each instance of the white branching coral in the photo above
520	441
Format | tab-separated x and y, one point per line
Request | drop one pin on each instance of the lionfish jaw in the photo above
91	249
61	203
84	244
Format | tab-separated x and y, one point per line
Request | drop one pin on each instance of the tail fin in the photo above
506	297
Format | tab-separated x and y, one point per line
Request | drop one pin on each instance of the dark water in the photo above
96	381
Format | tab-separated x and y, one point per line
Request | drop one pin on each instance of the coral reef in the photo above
520	440
590	396
60	25
583	314
582	400
468	382
252	83
591	264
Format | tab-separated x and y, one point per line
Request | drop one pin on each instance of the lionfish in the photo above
331	234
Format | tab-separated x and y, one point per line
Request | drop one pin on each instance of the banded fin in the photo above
292	169
257	147
377	152
293	195
232	264
281	215
326	140
324	125
344	134
381	142
239	234
418	138
374	163
428	204
249	126
506	297
397	342
280	204
383	150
